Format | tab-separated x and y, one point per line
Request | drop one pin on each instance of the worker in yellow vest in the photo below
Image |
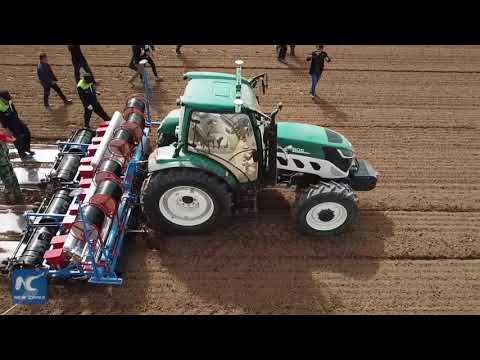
88	96
10	120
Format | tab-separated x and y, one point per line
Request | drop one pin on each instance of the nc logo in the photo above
26	283
29	287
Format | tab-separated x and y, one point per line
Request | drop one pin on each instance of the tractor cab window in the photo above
227	138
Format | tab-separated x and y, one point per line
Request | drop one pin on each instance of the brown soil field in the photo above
412	111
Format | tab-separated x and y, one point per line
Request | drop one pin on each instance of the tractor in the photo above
217	150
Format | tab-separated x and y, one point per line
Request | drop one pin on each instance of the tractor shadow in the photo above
330	111
263	266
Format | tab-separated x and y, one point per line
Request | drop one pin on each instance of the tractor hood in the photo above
309	140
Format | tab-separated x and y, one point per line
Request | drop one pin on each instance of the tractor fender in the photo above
162	159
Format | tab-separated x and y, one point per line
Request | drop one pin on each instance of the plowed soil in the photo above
412	111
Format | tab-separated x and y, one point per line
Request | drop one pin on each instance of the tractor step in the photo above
247	202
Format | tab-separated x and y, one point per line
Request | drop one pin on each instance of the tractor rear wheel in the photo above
185	202
325	209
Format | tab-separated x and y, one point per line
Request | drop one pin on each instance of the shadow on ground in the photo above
188	62
330	111
264	266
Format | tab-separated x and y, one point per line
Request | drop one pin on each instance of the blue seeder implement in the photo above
95	226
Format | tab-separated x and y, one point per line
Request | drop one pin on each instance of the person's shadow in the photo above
333	115
295	63
264	266
188	62
59	115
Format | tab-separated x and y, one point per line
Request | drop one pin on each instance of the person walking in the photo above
9	120
13	194
49	81
317	58
177	50
138	54
148	54
79	62
88	96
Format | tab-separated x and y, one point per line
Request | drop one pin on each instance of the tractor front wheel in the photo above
185	202
325	209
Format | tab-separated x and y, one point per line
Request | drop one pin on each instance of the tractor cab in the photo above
220	119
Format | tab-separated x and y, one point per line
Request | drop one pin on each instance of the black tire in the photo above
162	181
332	192
166	139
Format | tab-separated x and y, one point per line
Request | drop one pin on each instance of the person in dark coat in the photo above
49	81
79	62
148	54
88	96
317	58
138	54
9	120
177	50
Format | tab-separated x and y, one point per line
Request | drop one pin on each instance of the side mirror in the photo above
276	111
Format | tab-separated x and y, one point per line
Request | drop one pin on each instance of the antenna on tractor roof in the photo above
238	86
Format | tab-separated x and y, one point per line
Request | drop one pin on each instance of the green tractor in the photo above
218	150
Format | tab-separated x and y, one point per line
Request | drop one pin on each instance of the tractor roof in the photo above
215	91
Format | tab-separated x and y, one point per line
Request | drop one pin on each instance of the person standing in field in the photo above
79	62
49	81
292	50
317	58
13	195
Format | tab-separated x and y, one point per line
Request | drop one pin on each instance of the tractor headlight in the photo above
346	154
341	158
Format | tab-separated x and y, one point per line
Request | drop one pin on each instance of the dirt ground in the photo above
412	111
